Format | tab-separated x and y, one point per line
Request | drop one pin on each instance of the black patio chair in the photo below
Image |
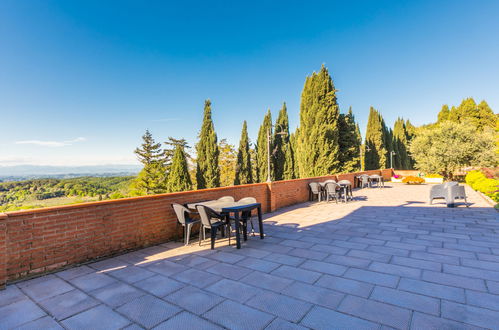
184	218
213	221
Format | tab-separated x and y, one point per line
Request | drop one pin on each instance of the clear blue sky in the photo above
80	81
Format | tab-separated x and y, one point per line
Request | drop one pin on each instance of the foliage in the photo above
243	171
412	180
208	172
262	149
376	153
349	141
478	181
178	177
317	150
152	178
400	145
282	152
228	160
450	146
480	116
433	175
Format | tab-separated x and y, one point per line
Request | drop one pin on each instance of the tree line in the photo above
325	142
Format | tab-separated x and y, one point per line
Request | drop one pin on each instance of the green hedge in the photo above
478	181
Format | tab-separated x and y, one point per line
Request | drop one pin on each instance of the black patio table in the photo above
236	209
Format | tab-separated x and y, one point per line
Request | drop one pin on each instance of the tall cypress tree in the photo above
349	142
244	172
152	177
282	151
262	149
207	171
400	140
179	178
317	144
376	147
291	171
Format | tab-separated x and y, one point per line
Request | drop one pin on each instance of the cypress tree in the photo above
400	140
317	144
291	172
179	178
152	177
207	170
282	152
262	149
349	142
244	172
376	150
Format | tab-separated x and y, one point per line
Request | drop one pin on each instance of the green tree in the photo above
244	172
401	145
152	177
317	150
486	116
207	170
262	149
179	178
349	142
376	153
450	146
228	160
443	115
291	171
282	151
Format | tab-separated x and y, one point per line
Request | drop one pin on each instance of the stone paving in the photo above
386	260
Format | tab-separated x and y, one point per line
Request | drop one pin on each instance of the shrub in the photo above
479	182
412	180
433	175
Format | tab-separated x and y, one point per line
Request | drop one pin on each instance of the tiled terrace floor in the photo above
387	260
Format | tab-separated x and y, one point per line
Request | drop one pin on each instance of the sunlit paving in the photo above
386	258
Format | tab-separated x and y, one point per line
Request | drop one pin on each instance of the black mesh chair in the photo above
213	221
184	218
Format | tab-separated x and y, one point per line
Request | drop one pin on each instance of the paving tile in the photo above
488	257
480	317
198	278
372	277
407	300
10	295
92	281
233	315
406	246
395	269
345	285
493	287
279	305
266	281
46	288
489	265
422	321
296	244
324	267
166	268
481	299
432	289
116	294
349	245
228	271
194	300
18	313
416	263
452	252
237	291
251	252
68	304
186	320
280	324
472	272
100	317
131	274
74	272
148	311
314	294
110	264
435	257
376	311
370	241
284	259
258	264
230	258
323	319
308	254
454	280
45	323
348	261
159	285
298	274
422	242
330	249
193	260
369	255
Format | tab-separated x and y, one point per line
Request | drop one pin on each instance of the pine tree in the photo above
228	160
261	149
244	172
349	142
207	170
317	144
376	150
179	178
443	115
486	115
152	177
282	151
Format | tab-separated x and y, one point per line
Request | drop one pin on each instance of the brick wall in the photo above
407	172
41	240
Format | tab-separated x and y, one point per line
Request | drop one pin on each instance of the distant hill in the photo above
23	172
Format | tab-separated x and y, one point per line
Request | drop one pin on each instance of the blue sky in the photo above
80	81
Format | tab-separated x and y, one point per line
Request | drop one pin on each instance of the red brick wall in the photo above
41	240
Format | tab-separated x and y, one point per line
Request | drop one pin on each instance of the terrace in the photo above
387	259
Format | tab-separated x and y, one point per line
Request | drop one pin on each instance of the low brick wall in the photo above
42	240
407	172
